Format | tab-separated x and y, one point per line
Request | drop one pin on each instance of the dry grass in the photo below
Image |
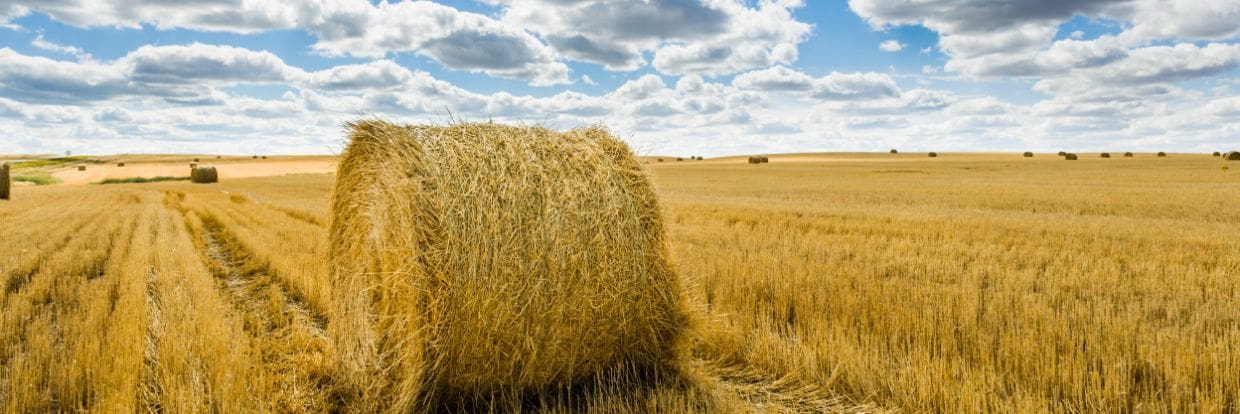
476	263
974	283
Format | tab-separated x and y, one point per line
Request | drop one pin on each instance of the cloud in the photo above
40	43
458	40
709	37
778	78
855	86
891	46
832	87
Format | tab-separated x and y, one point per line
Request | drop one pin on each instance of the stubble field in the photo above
820	282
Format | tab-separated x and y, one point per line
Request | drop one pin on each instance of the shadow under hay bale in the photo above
1127	155
1106	155
204	175
6	183
1069	157
437	297
1028	154
1232	156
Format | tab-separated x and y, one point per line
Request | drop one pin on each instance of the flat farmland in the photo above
818	283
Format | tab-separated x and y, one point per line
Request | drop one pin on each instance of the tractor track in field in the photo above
288	336
763	393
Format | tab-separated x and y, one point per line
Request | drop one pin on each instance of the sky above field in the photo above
676	77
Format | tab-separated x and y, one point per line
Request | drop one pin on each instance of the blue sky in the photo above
709	77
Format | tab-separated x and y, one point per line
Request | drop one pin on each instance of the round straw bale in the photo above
1127	155
933	154
120	164
765	159
1232	156
1216	154
680	158
1162	154
255	157
755	160
264	157
197	160
81	167
474	260
204	175
5	181
1061	153
1028	154
193	165
1069	157
1106	155
893	151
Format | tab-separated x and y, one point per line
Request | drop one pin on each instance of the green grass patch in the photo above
37	179
142	180
48	162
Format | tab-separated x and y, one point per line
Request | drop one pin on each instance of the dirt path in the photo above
289	336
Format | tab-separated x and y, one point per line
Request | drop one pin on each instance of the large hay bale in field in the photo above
1106	155
933	154
1127	155
1232	156
1162	154
1028	154
476	260
1069	157
5	181
204	175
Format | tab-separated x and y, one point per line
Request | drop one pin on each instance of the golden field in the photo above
820	282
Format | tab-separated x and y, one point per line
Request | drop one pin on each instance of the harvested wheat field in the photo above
835	283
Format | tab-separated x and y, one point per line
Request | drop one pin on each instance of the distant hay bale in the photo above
1162	154
6	183
264	157
204	175
893	151
1106	155
755	160
120	164
933	154
1127	155
255	157
1232	156
765	159
197	160
193	165
476	260
660	160
1069	157
81	167
1061	153
1217	154
680	158
1028	154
